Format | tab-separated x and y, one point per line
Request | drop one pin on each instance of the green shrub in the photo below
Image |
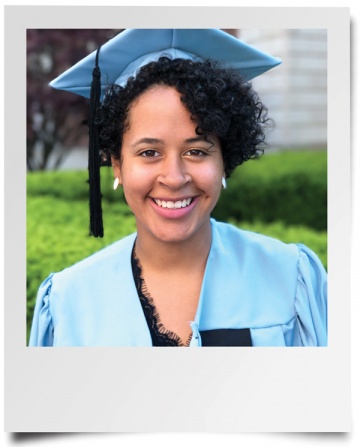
70	185
284	186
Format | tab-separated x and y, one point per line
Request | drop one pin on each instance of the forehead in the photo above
157	109
157	94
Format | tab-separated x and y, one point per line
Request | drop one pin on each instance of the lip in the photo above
173	213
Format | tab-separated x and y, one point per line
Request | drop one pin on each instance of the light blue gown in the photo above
277	290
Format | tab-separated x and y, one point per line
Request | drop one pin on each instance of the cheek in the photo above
136	179
210	176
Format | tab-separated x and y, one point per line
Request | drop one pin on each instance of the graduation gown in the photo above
256	291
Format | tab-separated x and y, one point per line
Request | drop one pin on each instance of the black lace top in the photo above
159	334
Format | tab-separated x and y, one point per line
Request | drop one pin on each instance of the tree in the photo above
55	118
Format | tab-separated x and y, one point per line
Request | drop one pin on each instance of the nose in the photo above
174	173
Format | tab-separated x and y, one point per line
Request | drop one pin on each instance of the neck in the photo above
171	256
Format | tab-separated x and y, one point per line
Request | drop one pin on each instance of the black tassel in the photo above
96	223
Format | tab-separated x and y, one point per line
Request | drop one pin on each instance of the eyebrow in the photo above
195	139
148	140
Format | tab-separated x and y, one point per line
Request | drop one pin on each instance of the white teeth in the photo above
178	204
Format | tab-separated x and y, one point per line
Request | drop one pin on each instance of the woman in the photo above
173	132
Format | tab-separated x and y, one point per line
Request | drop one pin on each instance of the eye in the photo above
149	153
199	153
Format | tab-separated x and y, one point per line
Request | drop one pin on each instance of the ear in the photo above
115	163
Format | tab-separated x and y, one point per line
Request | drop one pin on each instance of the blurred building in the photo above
295	92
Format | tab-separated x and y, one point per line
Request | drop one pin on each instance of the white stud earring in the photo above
223	182
116	183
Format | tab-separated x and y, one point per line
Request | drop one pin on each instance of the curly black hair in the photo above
219	100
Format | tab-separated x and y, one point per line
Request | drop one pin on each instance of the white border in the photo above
213	390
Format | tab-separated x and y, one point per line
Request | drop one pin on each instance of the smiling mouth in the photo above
173	205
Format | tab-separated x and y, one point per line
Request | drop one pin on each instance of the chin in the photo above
173	236
175	233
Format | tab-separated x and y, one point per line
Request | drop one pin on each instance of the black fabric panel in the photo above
226	337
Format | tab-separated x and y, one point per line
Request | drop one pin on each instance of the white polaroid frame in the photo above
176	390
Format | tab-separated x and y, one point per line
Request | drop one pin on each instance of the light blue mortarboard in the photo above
121	57
124	54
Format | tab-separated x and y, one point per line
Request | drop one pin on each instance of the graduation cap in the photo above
121	57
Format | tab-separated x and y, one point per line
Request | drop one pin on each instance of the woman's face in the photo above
171	177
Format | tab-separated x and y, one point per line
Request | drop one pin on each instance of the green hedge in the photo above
286	186
69	185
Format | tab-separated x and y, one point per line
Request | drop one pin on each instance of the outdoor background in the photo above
283	194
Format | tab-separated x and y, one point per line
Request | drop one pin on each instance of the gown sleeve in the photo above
42	326
311	300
